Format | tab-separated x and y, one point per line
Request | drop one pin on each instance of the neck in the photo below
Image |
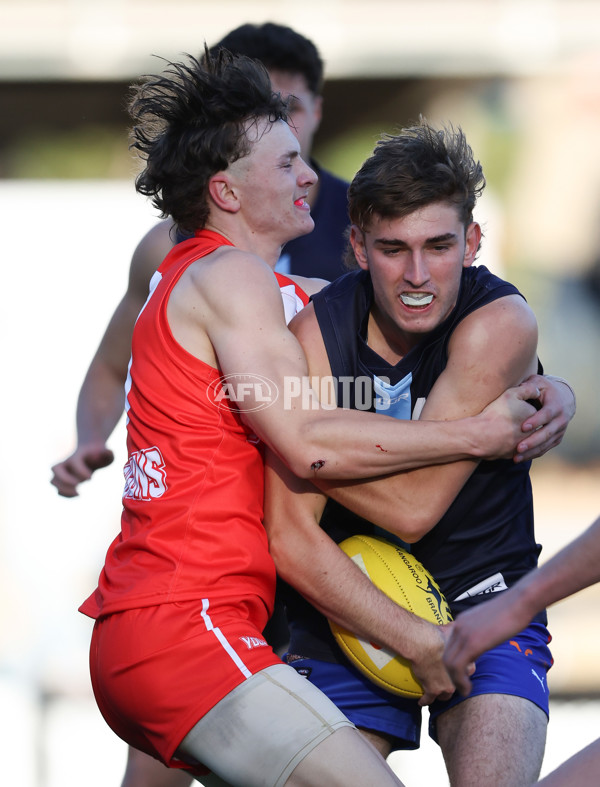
383	338
246	240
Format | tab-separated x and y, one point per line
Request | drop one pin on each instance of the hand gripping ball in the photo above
401	577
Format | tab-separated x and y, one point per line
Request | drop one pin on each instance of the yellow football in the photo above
401	577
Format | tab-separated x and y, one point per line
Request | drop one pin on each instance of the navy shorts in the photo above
517	667
363	702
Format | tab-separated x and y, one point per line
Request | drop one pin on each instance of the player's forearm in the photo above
329	580
575	567
357	448
488	624
100	404
308	559
407	504
348	444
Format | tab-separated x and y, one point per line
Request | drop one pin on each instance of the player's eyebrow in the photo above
289	156
447	236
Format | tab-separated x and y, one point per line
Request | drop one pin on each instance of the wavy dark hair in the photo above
191	122
414	168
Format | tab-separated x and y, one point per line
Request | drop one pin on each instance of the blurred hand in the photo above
68	474
479	629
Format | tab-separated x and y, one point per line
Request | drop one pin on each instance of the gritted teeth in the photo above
416	298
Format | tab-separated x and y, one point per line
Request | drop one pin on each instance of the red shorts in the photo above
157	670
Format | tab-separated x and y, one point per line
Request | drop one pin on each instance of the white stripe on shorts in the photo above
225	644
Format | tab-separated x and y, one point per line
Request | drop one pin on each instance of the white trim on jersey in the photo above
292	304
223	640
156	277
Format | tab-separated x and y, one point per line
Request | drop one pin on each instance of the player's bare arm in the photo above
484	626
231	288
101	398
307	558
484	360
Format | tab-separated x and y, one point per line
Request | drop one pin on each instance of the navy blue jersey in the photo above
320	254
485	541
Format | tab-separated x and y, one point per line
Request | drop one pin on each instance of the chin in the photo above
306	227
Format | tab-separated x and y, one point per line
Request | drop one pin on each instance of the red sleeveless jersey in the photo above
193	500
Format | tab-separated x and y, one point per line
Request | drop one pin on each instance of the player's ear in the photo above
318	110
357	241
222	193
472	241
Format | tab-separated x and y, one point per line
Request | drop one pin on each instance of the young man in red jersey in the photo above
296	69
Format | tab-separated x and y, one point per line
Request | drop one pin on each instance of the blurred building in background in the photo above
522	77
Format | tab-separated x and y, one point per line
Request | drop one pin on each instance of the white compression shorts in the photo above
259	732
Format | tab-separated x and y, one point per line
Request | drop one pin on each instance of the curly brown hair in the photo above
190	122
414	168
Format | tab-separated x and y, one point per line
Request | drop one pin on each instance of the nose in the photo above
307	177
417	271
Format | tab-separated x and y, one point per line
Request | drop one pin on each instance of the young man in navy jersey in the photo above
432	336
